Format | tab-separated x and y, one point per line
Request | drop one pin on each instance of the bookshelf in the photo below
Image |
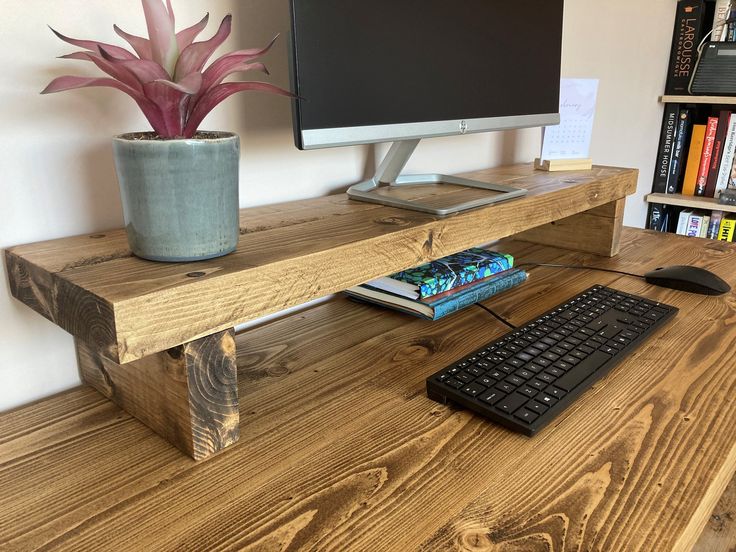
682	163
701	100
158	338
693	202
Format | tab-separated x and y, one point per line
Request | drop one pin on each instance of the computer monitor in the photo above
368	71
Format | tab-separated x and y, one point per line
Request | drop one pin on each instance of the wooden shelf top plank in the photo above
342	450
694	202
287	255
716	100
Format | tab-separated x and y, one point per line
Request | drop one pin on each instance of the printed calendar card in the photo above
571	138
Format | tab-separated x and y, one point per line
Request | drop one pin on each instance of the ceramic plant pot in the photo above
180	197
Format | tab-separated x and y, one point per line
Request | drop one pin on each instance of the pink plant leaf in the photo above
224	66
194	57
185	37
142	46
170	9
113	68
149	109
173	106
94	46
143	70
191	84
213	97
164	49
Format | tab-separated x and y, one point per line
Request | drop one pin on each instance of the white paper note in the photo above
571	138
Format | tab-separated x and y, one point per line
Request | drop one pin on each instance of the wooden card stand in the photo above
554	165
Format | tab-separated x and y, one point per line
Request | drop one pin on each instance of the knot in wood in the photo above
392	221
474	540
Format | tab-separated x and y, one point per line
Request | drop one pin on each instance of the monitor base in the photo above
388	175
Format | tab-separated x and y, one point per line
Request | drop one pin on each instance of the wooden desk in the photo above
158	338
341	450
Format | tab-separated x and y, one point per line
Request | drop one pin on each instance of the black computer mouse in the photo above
688	278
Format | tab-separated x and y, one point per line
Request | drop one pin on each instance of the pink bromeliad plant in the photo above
167	78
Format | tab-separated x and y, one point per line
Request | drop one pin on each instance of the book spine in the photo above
659	217
666	141
704	227
723	9
715	225
688	24
479	293
729	151
693	160
715	161
693	225
682	222
728	225
710	139
681	135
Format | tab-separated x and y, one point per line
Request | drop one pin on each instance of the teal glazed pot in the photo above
180	197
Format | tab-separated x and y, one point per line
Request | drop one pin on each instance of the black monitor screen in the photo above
377	62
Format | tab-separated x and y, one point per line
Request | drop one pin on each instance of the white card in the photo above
571	138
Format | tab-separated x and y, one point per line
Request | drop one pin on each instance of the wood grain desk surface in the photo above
341	449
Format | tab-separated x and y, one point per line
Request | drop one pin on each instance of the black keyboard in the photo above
525	379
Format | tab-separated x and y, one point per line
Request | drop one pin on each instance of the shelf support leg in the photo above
187	394
595	231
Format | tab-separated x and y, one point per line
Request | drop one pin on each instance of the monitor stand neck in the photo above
388	174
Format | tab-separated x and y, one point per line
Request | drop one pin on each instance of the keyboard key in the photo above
475	371
456	383
485	380
570	359
551	356
464	376
545	399
556	372
506	387
533	351
516	381
524	373
534	406
581	371
558	351
554	392
528	391
562	365
538	385
549	341
512	403
542	361
492	396
546	377
526	415
473	389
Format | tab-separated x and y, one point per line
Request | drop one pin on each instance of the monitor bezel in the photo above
310	139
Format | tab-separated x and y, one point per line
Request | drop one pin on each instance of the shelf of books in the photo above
696	159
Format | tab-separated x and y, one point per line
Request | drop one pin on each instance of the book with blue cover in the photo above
445	274
433	308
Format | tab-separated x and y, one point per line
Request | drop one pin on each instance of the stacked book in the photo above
442	287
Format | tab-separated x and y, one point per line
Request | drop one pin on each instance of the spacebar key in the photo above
582	370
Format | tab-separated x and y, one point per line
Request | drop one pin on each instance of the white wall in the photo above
57	171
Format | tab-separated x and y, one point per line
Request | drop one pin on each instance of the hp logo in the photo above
463	127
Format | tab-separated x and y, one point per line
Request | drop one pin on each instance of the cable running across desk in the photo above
552	265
